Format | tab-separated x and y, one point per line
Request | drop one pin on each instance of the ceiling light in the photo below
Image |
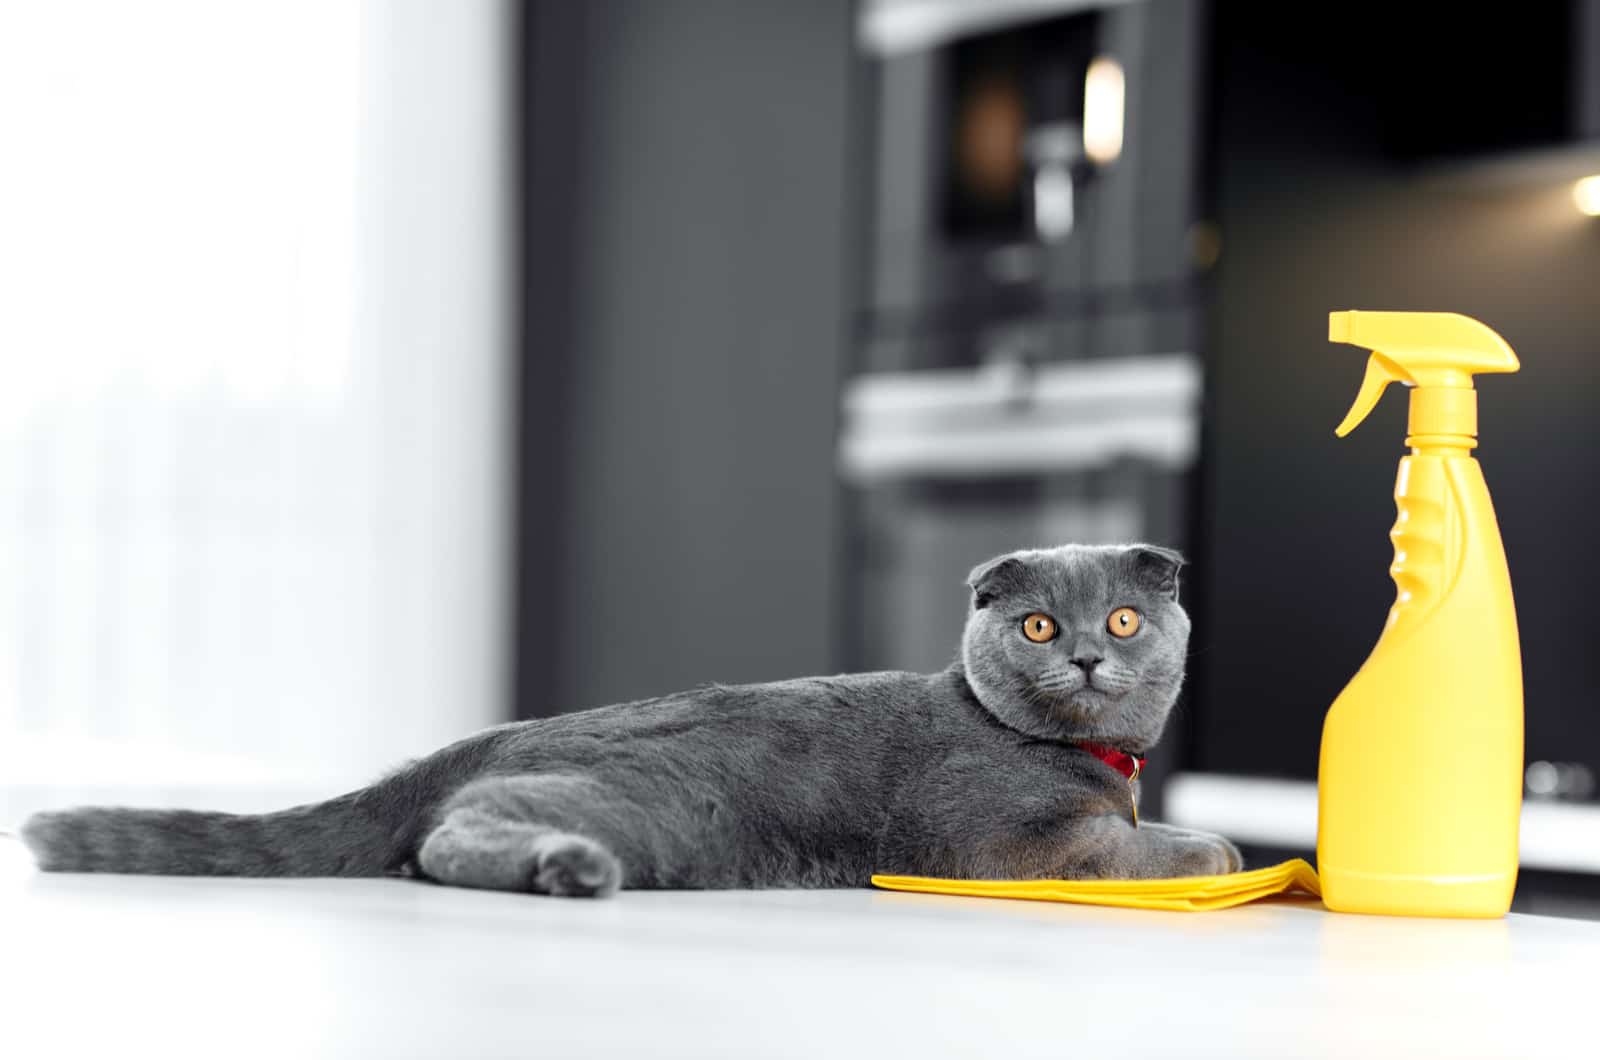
1586	193
1102	111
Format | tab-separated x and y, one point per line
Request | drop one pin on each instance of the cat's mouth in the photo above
1089	699
1085	698
1076	682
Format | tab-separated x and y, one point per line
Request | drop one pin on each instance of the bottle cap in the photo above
1436	354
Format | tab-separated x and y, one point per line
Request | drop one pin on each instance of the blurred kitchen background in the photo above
371	372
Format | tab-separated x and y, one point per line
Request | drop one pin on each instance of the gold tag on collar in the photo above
1133	790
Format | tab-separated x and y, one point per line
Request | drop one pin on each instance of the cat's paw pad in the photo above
573	866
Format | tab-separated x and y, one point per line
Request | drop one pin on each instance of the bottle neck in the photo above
1441	444
1448	413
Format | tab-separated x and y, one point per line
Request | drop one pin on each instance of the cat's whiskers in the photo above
1036	697
1056	681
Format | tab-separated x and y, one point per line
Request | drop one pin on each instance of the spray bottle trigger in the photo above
1381	371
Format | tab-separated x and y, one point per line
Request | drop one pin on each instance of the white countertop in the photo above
387	968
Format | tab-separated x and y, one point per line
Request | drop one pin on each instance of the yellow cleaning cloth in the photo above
1185	893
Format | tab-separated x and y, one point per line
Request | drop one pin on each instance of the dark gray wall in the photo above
1315	218
687	228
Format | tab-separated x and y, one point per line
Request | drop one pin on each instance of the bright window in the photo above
253	402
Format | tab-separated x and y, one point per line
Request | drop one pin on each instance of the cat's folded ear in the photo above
994	578
1157	568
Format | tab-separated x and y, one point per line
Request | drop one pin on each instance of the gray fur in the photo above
818	782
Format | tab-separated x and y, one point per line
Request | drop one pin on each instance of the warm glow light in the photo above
1102	111
1586	193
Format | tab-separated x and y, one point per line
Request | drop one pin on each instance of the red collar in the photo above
1121	761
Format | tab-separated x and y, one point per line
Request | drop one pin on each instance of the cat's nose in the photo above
1087	662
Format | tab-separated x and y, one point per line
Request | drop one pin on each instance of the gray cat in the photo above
1013	763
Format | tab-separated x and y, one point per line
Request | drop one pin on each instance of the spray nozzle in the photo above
1436	353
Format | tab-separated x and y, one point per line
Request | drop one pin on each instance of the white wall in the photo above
254	392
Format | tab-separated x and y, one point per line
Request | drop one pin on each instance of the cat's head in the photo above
1080	642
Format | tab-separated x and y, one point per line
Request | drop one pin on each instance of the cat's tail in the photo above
369	832
339	837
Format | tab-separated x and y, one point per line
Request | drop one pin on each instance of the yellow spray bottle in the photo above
1419	789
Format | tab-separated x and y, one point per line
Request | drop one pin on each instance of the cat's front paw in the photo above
1189	852
1213	855
1233	861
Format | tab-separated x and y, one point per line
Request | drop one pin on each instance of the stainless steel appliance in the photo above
1025	372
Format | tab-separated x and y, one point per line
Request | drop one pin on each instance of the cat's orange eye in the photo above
1039	628
1124	622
